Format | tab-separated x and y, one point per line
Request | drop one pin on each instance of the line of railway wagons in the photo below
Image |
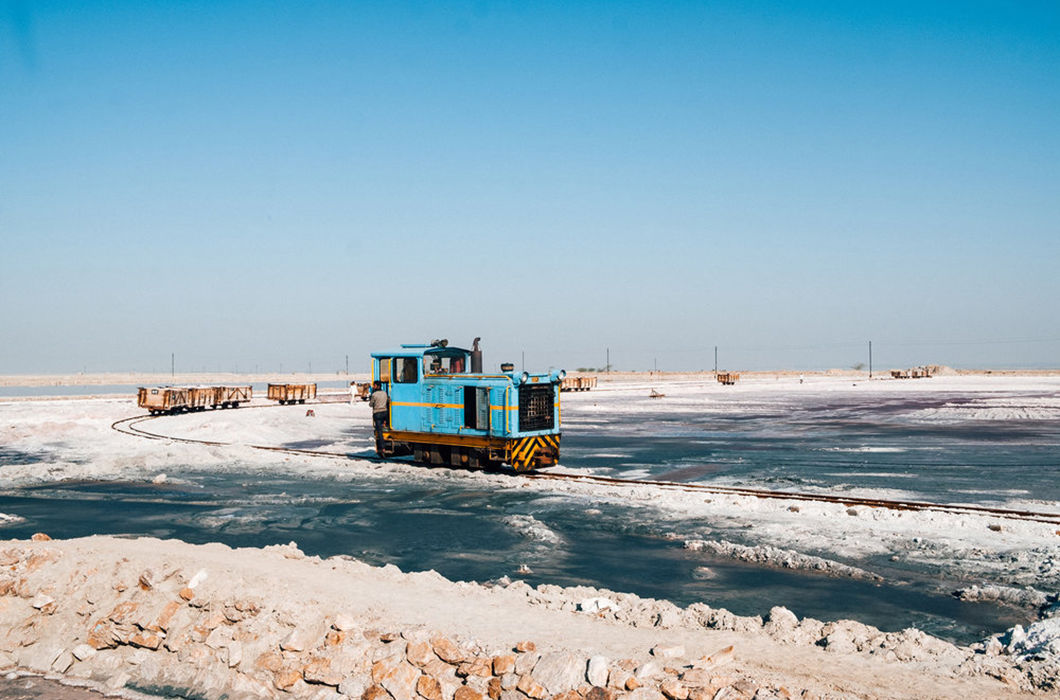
180	399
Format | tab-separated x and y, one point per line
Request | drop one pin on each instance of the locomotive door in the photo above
482	404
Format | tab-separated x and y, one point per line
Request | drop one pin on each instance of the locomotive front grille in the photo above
535	407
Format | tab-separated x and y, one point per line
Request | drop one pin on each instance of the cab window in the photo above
449	364
405	370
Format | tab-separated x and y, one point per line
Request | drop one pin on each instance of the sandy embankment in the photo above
155	614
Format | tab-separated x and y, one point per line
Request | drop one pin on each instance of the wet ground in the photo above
34	688
470	532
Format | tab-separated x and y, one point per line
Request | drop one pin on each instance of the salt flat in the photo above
61	440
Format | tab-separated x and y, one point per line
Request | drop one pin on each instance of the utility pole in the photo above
715	360
347	365
172	364
607	367
524	360
870	359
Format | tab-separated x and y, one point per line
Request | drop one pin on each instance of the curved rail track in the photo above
129	426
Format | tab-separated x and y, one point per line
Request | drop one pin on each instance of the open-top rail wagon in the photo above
292	393
578	383
177	399
162	399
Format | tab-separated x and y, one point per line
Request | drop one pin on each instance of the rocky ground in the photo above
166	617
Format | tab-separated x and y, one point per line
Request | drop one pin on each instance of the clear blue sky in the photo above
255	184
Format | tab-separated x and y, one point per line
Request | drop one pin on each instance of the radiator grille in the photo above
535	407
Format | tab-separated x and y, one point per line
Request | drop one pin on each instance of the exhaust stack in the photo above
476	358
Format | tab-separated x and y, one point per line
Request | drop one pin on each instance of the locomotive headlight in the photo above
524	378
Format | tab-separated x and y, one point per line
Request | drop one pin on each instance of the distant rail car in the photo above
444	410
577	383
178	399
728	378
924	372
163	399
292	393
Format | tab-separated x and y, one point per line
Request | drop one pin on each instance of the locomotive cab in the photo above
444	410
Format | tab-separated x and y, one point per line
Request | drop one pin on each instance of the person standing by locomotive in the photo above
378	401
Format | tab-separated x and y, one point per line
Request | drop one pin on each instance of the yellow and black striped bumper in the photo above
530	452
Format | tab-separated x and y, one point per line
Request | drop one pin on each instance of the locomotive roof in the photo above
419	351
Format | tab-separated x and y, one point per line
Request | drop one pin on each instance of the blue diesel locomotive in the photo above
444	410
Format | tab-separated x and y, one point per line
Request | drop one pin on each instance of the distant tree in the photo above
858	366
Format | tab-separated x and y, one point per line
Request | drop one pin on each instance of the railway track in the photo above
130	426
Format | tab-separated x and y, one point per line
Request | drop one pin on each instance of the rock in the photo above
295	641
559	671
480	667
429	688
319	671
200	576
289	550
596	671
597	605
993	647
118	680
446	650
718	658
83	651
286	677
102	636
465	693
669	617
568	695
374	692
674	690
648	670
645	693
161	624
503	664
400	681
632	683
509	681
419	653
235	654
219	637
41	537
146	580
7	661
354	687
63	662
186	593
523	647
145	640
41	601
780	620
598	693
344	622
674	652
531	688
